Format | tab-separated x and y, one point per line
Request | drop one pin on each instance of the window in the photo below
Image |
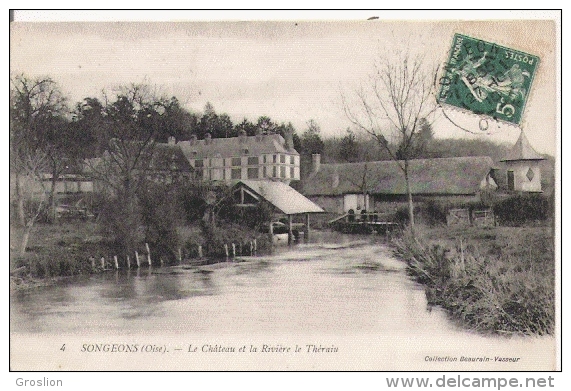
291	160
246	151
264	158
265	172
236	173
275	172
282	172
291	172
252	160
282	158
199	168
253	173
275	158
236	161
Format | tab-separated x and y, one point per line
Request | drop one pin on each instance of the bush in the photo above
433	212
160	216
520	209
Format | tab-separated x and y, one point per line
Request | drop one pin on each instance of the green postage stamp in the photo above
487	79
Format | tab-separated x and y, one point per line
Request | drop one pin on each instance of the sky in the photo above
290	70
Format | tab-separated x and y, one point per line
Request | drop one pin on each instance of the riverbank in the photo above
490	279
59	251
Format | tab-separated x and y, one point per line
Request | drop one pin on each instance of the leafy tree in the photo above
266	125
348	149
245	126
216	125
311	141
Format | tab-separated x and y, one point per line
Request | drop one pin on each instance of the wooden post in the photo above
148	254
128	262
102	262
233	250
306	227
116	262
463	264
226	250
271	229
290	229
162	262
179	255
92	262
137	258
199	251
255	246
251	248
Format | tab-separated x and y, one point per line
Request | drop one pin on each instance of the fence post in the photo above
128	262
137	259
102	262
116	262
233	250
148	253
199	251
226	249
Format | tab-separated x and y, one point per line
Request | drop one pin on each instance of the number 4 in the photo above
62	348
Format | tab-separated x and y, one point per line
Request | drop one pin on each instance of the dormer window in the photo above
246	151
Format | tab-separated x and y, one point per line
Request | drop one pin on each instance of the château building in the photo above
259	157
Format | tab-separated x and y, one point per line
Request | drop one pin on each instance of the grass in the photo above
491	279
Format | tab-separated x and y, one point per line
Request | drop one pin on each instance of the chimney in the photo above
259	135
315	162
207	139
288	136
192	140
172	140
242	136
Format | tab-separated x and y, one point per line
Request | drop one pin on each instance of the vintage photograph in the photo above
285	194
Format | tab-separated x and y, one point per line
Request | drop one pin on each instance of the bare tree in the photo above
30	191
392	108
131	123
37	123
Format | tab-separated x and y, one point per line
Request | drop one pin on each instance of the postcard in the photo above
285	194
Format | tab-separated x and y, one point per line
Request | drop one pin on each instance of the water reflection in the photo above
338	284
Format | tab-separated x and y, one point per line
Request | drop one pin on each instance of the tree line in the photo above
116	134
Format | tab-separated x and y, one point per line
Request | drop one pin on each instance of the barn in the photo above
380	185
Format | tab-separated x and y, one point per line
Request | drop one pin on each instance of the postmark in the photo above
487	79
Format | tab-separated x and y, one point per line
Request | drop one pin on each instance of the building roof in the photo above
236	146
282	196
522	150
163	157
169	157
446	176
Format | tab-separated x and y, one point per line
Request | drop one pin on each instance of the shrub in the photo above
160	216
523	208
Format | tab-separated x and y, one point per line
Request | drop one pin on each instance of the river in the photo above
342	294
